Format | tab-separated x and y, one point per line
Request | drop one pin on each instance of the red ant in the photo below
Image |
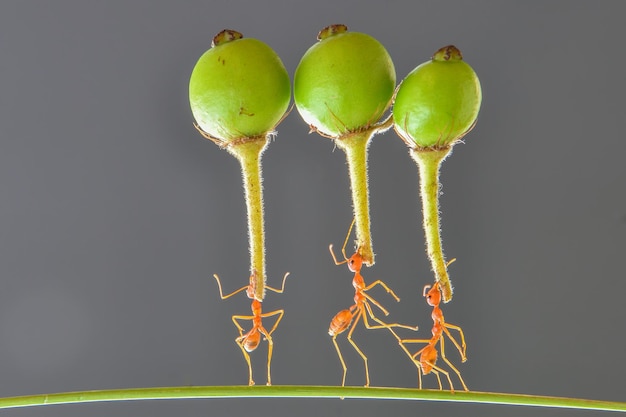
249	341
428	354
361	308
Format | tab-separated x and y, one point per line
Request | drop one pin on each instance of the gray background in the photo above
115	213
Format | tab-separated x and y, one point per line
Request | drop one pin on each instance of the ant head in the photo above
252	286
355	262
250	292
432	294
252	340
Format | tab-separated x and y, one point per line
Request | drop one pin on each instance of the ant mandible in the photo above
361	309
428	354
250	340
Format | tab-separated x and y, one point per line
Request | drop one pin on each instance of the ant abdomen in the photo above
428	358
252	340
340	322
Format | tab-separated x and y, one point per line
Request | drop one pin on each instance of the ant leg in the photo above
416	360
239	342
382	323
270	342
390	326
280	314
415	341
344	318
382	284
417	365
443	355
332	253
219	285
343	364
239	327
376	303
434	371
270	350
411	357
343	248
463	347
428	358
282	288
359	351
246	356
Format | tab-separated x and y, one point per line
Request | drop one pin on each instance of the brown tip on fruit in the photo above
227	35
448	53
331	31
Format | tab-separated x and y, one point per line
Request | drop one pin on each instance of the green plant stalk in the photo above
355	146
249	152
277	391
429	162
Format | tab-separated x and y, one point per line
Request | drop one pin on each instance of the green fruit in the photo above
239	88
344	83
438	102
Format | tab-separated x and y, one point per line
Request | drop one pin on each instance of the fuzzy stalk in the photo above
249	153
429	163
355	146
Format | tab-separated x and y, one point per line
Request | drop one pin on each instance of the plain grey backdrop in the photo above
115	213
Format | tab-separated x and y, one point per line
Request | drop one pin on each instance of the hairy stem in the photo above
249	155
429	162
277	391
355	146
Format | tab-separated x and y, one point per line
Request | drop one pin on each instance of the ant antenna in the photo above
343	248
282	288
219	285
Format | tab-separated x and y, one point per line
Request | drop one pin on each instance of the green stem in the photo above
429	162
355	146
249	152
277	391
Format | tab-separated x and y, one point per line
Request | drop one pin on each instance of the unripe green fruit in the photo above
438	102
344	83
239	88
